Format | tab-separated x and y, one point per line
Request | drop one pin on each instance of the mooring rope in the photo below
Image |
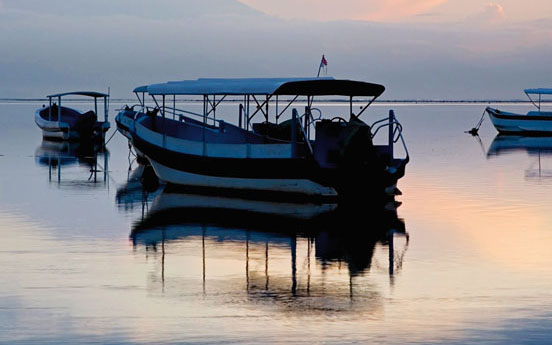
108	140
475	130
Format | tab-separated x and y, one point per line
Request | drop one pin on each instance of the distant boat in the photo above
63	123
268	157
533	123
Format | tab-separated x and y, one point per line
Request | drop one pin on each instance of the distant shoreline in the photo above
383	101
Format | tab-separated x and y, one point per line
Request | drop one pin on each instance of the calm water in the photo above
88	256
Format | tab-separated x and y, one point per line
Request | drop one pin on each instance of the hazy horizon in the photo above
426	49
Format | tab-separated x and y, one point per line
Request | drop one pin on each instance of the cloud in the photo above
492	13
373	10
397	9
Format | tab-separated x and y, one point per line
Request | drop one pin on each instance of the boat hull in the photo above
274	178
267	186
62	130
125	125
511	123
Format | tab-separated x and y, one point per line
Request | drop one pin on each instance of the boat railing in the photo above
131	107
395	130
305	130
176	112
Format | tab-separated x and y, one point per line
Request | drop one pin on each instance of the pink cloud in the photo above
492	13
378	10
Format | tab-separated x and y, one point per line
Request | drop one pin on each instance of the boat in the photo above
59	122
271	158
533	123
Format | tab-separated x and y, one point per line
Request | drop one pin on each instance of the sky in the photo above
418	49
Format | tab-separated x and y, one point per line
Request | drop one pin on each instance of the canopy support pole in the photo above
532	101
391	131
366	107
240	117
276	112
164	127
106	110
247	114
214	109
59	110
294	133
50	110
286	108
205	105
266	113
260	107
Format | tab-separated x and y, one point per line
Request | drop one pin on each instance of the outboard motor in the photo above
344	144
85	124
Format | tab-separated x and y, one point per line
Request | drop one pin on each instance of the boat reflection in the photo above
139	190
293	254
58	155
535	146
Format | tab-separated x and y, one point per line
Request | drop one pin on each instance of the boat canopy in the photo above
540	91
266	86
80	93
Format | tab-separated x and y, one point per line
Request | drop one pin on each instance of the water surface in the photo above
89	256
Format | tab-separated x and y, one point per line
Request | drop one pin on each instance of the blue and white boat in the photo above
63	123
278	158
533	123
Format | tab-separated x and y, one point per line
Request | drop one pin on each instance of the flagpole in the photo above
319	69
323	63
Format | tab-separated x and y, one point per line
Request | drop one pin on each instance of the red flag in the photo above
324	65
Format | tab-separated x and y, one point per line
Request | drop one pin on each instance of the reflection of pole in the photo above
294	265
308	265
266	266
49	169
163	260
391	253
247	260
539	164
106	166
59	169
391	256
350	286
203	255
95	167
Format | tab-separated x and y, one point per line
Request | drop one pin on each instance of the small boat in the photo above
533	123
272	158
63	123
